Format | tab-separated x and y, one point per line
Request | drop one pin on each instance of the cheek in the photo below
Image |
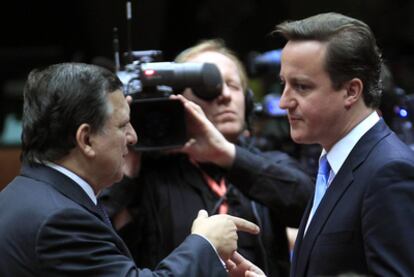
308	124
242	107
321	117
118	142
208	109
314	117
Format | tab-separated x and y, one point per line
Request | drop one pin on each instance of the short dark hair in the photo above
352	51
57	100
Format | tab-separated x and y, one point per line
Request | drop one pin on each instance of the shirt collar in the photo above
340	151
78	180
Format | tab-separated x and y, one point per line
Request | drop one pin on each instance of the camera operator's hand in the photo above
207	144
221	231
238	266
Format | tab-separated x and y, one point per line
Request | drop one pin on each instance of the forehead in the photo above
222	61
304	56
118	106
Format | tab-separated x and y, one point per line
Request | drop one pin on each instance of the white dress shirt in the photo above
78	180
340	151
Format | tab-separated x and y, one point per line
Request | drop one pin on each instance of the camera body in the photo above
158	120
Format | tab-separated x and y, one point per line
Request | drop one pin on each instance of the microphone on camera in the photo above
115	42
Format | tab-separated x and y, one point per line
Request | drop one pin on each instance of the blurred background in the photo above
38	33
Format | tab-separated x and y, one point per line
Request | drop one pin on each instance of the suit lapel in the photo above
70	189
63	184
336	190
299	239
334	193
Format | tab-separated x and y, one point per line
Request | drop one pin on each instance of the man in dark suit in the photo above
76	133
363	223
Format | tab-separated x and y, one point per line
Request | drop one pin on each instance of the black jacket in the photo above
170	190
50	227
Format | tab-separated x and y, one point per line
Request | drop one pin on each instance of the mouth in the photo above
225	116
294	118
226	112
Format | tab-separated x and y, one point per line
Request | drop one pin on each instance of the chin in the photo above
297	137
301	139
231	133
117	177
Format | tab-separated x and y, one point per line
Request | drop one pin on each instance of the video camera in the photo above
159	120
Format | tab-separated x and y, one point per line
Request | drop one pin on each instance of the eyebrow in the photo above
301	79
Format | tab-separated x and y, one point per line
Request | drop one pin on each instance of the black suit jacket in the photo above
365	222
170	190
50	227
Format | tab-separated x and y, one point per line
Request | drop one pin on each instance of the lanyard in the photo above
220	189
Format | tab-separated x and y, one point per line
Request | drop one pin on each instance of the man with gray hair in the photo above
76	133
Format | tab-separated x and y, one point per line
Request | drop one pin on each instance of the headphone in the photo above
248	107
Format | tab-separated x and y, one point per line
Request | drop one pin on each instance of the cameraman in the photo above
217	170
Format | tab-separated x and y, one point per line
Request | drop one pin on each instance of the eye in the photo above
124	126
301	87
233	86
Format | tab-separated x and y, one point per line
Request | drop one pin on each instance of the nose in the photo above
286	101
131	135
225	94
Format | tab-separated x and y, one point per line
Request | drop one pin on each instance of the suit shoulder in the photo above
395	149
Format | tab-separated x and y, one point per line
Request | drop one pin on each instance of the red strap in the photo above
219	189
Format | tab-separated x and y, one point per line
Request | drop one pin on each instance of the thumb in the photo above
202	214
188	145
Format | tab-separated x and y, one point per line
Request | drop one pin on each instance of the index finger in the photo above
190	106
245	225
236	258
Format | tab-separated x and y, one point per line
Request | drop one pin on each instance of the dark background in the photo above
37	33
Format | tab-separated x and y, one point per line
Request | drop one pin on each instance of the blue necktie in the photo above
321	185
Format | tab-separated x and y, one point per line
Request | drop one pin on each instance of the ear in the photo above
354	92
83	140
